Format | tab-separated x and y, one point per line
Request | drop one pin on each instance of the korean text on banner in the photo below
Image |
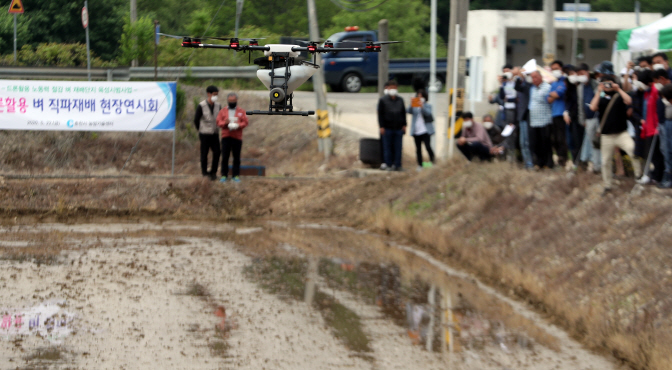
87	106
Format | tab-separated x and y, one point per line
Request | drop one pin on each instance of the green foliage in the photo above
406	22
180	101
200	20
53	54
59	21
137	41
7	32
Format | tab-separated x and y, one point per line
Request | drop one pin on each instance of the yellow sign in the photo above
459	103
16	7
323	128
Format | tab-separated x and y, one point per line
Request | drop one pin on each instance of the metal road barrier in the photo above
125	73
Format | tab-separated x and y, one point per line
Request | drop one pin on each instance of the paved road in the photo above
357	112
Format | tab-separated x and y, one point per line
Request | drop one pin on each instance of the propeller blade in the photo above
172	36
387	42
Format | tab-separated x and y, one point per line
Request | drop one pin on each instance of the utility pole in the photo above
432	56
549	32
637	10
14	38
134	18
323	129
239	11
455	75
156	50
85	23
575	35
383	57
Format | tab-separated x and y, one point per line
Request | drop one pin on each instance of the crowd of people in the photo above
581	118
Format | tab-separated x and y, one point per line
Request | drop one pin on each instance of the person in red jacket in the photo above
232	120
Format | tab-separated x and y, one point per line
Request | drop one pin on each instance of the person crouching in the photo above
474	140
232	120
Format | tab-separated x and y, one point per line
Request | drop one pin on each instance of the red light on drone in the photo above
351	28
312	48
234	45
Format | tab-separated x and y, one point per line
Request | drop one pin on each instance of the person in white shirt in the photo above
422	127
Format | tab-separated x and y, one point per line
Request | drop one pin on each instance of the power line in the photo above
358	5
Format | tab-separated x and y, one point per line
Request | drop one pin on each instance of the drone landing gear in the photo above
279	113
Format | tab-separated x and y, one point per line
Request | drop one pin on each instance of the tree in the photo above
409	21
7	32
137	41
59	21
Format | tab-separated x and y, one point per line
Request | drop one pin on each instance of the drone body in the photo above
282	74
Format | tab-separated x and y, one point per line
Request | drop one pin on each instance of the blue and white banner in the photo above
87	106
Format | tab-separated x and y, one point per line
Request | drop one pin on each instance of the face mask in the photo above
667	102
582	79
557	73
392	92
572	79
658	86
232	105
658	66
487	125
508	75
528	79
468	124
214	98
386	91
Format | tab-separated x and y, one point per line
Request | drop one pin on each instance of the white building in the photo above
505	36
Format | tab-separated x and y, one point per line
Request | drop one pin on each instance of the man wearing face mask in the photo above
613	131
557	100
666	94
523	84
660	62
575	131
392	123
232	120
474	140
660	79
648	118
645	62
205	121
495	135
587	118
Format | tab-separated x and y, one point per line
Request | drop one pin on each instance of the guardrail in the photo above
125	73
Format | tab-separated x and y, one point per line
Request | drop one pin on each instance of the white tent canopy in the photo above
651	37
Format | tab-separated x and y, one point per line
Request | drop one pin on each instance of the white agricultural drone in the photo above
281	74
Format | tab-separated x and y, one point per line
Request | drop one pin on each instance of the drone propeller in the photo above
171	36
235	38
386	42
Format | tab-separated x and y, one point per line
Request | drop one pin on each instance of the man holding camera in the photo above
613	130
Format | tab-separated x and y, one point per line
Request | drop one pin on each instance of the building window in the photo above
598	44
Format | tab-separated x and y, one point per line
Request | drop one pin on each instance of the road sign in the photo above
85	17
16	7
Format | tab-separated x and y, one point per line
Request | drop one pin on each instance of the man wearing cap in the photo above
612	103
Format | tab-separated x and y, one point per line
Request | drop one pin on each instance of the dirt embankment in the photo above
598	266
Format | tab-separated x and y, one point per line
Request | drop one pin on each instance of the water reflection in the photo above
438	312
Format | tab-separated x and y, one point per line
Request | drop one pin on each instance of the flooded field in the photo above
271	295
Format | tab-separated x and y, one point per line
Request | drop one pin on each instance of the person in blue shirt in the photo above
557	100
